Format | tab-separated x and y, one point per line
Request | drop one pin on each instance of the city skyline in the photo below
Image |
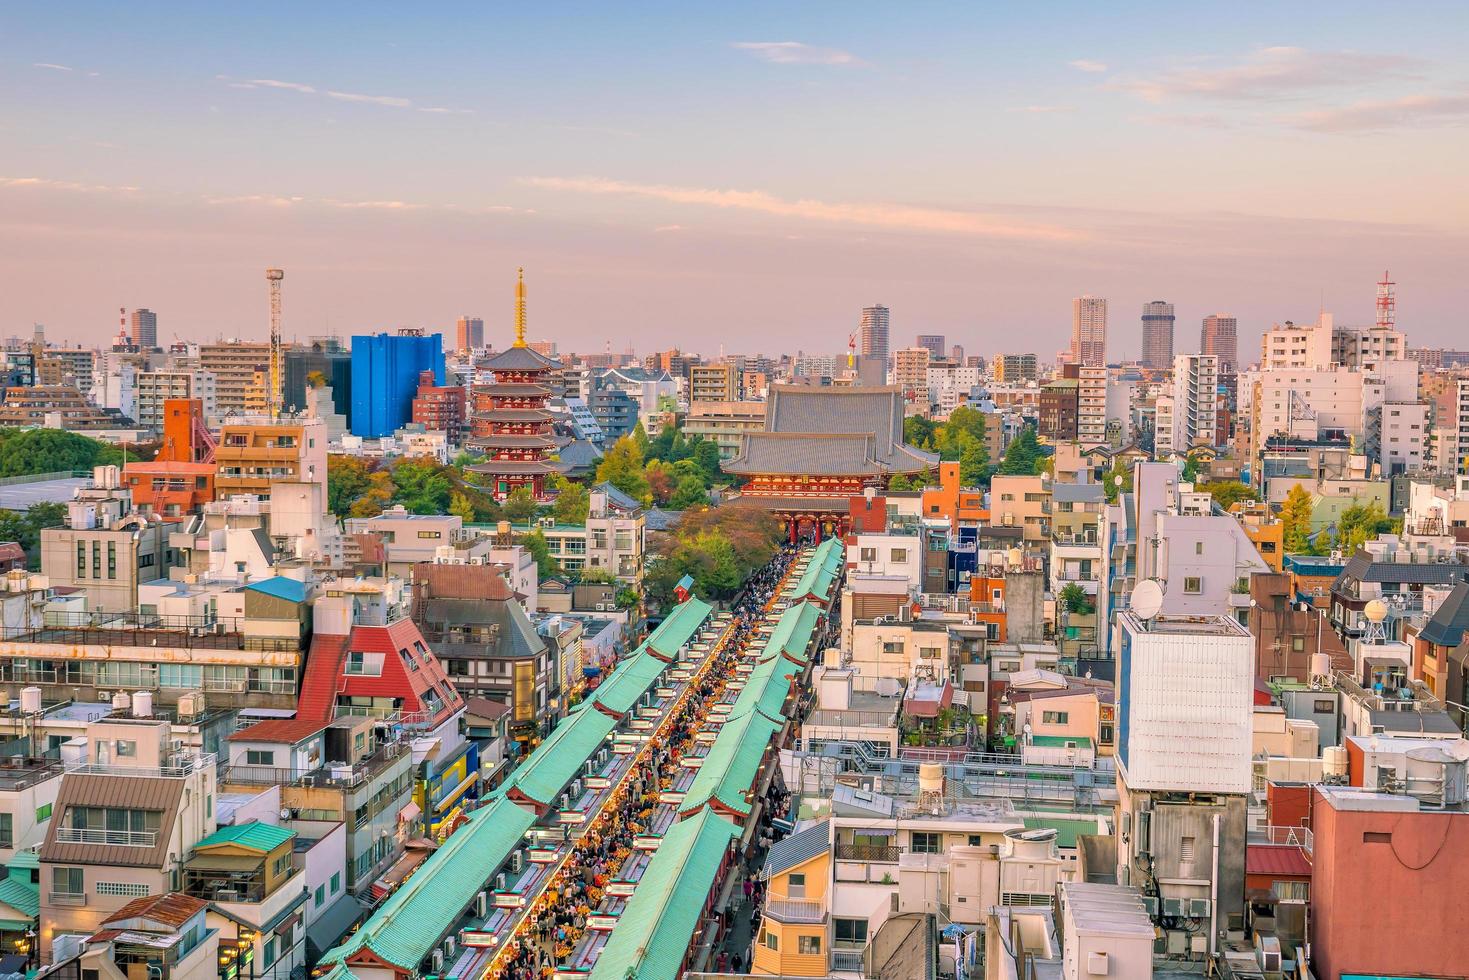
160	159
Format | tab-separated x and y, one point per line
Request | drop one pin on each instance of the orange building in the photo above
952	502
181	478
987	600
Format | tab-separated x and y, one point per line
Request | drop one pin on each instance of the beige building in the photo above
723	422
234	366
714	383
1091	406
910	372
106	547
1089	331
256	452
1024	502
129	812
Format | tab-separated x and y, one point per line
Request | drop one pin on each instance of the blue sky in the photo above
746	175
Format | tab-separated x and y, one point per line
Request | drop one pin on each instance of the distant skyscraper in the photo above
933	341
873	334
956	354
1157	335
469	332
145	329
1220	337
1089	331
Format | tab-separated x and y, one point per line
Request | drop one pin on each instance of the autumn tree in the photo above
1295	514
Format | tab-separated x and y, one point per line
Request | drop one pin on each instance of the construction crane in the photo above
277	366
851	349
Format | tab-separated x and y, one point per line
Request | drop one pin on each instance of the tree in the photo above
378	495
462	507
423	488
974	462
661	481
691	492
900	481
596	576
640	436
1022	456
26	452
1295	514
918	432
1190	472
536	545
622	466
1117	481
347	479
1361	523
520	506
24	527
573	501
706	454
1227	493
1075	599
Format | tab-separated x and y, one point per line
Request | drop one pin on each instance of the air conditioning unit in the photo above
1097	964
576	788
517	861
1142	840
1198	908
481	905
1150	905
1173	908
437	960
500	882
449	946
894	905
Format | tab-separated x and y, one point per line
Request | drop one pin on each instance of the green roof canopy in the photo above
407	927
255	835
793	632
555	762
733	762
653	933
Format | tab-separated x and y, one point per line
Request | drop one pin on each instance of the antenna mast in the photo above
1387	303
273	396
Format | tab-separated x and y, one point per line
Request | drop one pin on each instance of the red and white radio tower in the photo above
1387	303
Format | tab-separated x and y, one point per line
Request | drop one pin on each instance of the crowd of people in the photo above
556	925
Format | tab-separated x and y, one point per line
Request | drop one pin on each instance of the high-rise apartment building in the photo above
1157	350
1089	331
234	365
145	329
1010	368
933	341
469	333
1220	337
910	372
1194	404
1091	405
872	340
714	383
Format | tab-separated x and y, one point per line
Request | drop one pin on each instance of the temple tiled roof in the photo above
521	359
830	432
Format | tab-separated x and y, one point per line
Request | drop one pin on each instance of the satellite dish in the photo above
1146	600
1376	611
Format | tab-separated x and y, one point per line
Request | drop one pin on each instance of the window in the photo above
892	646
868	554
1193	585
7	830
259	757
67	881
430	535
1291	891
43	813
796	885
270	951
127	749
336	882
1325	706
808	945
320	895
770	940
1298	643
900	556
1376	837
922	842
1009	666
122	889
976	840
849	932
1055	717
1198	547
281	865
1105	735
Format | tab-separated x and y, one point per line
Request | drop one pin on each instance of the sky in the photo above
739	177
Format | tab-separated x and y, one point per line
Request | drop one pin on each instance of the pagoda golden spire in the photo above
520	308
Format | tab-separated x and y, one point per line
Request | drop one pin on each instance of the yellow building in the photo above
793	939
1263	529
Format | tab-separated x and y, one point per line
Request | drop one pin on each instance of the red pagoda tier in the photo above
510	422
820	448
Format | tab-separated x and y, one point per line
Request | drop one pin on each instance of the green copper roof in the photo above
556	761
679	627
821	574
733	762
1066	830
765	689
407	927
255	835
793	632
21	896
653	933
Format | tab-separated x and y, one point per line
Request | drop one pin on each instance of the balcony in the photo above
846	961
868	852
115	838
795	910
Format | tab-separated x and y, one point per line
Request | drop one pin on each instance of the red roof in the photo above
11	551
172	908
1285	860
929	708
285	730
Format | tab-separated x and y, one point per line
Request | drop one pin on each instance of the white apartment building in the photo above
1195	403
1091	405
1397	436
910	371
1460	428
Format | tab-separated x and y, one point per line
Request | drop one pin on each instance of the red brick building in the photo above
440	408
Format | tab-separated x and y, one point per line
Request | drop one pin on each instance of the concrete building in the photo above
408	539
234	365
1398	438
106	548
910	373
1091	406
934	342
1194	404
1011	368
1219	338
1058	409
129	811
872	339
144	331
1157	349
441	408
1024	502
1089	331
714	382
324	356
254	453
153	388
723	422
469	333
1185	692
